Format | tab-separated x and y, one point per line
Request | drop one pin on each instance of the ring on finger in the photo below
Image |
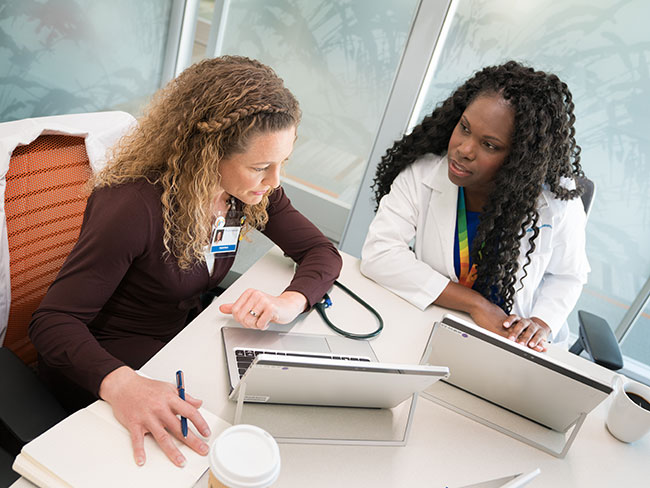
252	312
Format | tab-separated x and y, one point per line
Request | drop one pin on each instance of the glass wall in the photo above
70	56
636	344
602	51
202	30
339	57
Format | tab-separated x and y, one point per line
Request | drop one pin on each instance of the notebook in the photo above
91	448
321	370
529	383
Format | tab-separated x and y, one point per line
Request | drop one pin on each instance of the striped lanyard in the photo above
467	276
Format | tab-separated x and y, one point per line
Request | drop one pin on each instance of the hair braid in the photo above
222	123
207	113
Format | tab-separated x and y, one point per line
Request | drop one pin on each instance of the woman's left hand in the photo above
255	309
533	332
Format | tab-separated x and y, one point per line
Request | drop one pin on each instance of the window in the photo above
80	56
339	58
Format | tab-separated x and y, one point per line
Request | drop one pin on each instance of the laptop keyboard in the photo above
245	357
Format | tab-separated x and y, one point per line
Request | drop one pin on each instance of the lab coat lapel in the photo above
441	213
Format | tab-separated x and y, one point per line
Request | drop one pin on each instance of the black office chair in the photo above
27	409
595	336
588	192
7	475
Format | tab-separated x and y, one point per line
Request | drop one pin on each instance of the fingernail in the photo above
506	324
206	432
204	449
512	337
139	461
180	460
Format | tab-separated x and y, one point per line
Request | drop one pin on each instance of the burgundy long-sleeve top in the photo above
117	281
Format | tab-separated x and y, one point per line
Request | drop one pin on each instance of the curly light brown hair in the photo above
209	112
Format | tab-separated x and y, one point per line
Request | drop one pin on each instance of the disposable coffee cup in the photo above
628	418
244	456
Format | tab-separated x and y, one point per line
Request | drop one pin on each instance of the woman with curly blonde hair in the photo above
161	227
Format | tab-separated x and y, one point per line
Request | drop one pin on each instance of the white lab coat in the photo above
422	205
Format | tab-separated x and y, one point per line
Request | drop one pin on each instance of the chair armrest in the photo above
597	338
27	408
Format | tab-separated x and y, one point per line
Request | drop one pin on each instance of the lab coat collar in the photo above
439	182
437	179
442	210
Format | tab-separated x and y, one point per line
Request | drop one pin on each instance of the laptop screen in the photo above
529	383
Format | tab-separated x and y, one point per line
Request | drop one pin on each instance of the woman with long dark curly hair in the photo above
486	188
161	227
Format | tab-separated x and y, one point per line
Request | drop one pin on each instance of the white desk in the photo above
444	448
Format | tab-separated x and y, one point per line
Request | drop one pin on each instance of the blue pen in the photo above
180	386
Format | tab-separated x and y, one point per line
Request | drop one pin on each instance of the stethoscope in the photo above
327	302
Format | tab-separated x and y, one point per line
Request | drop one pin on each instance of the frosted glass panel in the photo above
601	49
69	56
637	343
339	57
202	31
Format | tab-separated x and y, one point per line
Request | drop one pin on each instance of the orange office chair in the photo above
45	199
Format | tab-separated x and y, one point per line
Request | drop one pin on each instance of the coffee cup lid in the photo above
245	456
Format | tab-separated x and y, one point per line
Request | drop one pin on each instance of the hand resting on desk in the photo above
532	332
144	406
255	309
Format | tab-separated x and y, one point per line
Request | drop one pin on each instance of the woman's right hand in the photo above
483	312
489	316
531	332
143	405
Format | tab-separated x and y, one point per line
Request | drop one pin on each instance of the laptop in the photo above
305	369
515	377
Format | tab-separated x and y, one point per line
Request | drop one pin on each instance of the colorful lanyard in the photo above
467	276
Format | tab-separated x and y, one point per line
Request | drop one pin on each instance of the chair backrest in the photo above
589	192
45	198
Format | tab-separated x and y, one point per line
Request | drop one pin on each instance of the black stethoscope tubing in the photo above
327	302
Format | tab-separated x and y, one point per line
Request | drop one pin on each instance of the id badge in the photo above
226	232
224	239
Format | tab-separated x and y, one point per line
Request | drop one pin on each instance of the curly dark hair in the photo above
543	149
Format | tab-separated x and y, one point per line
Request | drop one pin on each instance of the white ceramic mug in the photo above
627	420
244	456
